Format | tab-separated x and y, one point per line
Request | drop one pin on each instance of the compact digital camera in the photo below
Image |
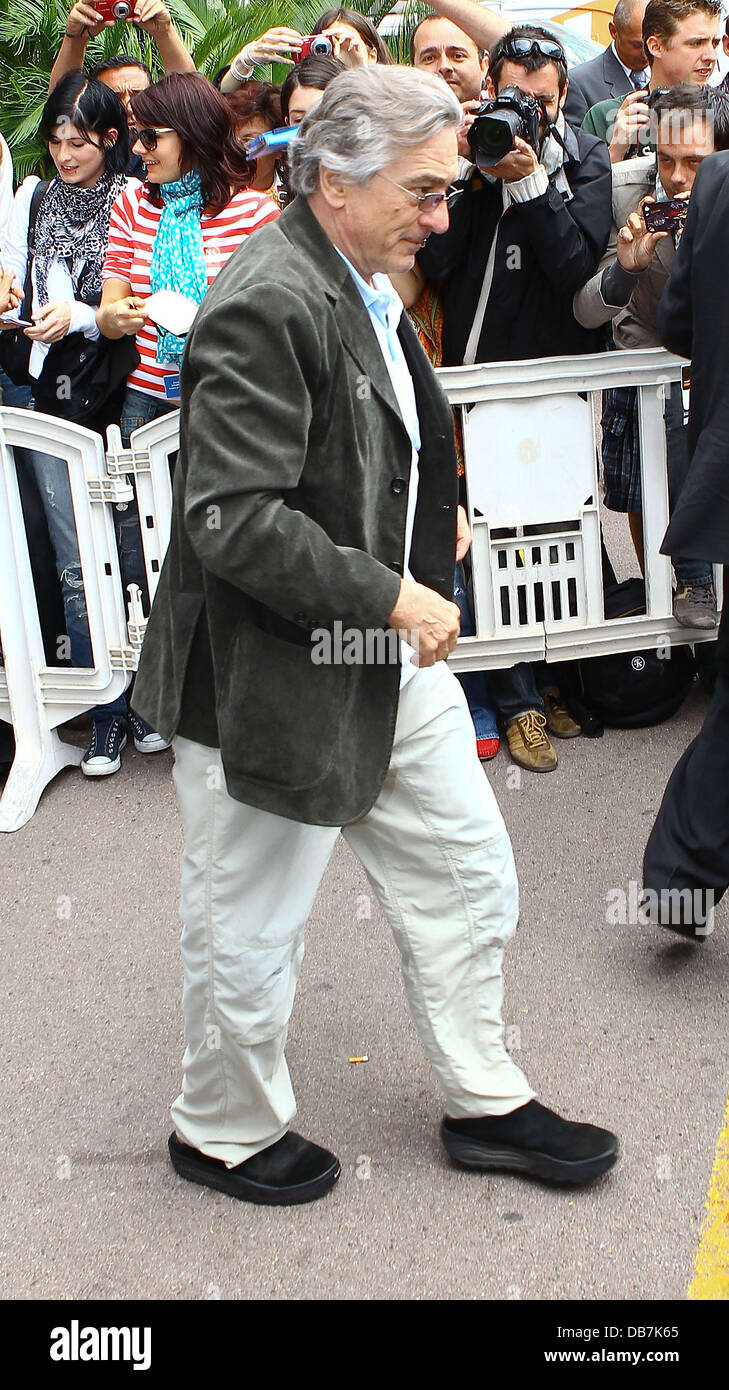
115	9
316	44
499	121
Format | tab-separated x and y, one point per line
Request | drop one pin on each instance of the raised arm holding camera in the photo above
86	20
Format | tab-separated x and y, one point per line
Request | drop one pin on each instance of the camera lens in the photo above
492	136
322	46
122	9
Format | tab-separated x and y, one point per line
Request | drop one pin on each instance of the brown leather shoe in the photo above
528	742
559	720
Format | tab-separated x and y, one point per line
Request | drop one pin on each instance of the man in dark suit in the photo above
687	856
315	519
622	68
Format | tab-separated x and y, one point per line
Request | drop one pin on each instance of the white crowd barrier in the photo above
532	471
532	468
35	697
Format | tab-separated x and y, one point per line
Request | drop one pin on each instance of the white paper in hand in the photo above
172	311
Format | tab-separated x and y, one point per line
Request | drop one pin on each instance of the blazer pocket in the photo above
278	711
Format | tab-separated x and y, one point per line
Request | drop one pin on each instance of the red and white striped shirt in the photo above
132	229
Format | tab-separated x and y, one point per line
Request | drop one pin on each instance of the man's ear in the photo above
490	88
332	187
725	43
563	97
613	31
654	45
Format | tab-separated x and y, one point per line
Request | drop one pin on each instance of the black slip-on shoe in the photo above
290	1171
532	1141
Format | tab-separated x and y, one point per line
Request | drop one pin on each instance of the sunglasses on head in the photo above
148	136
521	48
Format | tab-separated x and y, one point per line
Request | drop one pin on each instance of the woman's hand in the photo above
275	46
123	316
11	292
52	322
85	18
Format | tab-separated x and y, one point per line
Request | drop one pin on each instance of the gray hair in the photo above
623	13
368	117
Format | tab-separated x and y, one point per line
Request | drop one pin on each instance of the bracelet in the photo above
246	68
85	30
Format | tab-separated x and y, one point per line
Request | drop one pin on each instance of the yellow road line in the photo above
711	1269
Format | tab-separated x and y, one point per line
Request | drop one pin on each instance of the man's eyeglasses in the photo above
522	48
148	136
427	202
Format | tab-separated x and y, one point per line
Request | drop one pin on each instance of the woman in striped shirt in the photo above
176	231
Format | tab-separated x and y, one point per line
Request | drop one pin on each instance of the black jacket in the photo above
289	515
591	82
693	320
546	250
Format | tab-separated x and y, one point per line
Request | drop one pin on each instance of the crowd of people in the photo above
547	252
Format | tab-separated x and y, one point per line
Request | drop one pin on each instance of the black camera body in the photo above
499	121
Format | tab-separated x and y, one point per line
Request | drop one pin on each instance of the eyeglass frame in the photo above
139	134
428	202
512	51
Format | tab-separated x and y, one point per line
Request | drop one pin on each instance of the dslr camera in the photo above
498	122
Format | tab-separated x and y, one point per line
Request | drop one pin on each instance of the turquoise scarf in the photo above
178	259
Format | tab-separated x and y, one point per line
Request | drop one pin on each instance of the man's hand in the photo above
52	322
519	162
152	16
632	116
463	534
469	109
636	245
428	622
84	19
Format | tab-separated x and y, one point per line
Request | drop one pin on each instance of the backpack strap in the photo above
39	193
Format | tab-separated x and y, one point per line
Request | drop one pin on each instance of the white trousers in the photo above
438	857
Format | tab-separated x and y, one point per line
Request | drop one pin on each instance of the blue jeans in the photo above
687	571
12	394
474	683
54	487
138	409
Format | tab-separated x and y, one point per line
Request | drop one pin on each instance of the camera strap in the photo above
469	356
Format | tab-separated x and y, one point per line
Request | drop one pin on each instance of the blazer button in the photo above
301	619
398	486
396	566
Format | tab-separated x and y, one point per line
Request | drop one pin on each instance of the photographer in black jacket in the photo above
526	233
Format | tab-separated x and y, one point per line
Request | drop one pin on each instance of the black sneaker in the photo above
694	605
532	1141
290	1171
146	739
103	755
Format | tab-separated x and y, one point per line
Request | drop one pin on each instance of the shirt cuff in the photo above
83	320
531	186
617	284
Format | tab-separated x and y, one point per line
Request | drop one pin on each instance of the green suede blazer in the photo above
289	515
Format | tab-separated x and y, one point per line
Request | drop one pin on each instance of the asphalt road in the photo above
620	1024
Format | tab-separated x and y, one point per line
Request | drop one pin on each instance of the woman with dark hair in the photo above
85	126
356	40
304	85
256	109
177	230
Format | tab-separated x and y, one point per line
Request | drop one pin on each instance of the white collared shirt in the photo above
627	71
385	307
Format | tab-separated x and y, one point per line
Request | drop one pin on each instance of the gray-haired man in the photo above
315	495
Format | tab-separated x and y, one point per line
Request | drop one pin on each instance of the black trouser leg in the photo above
688	846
